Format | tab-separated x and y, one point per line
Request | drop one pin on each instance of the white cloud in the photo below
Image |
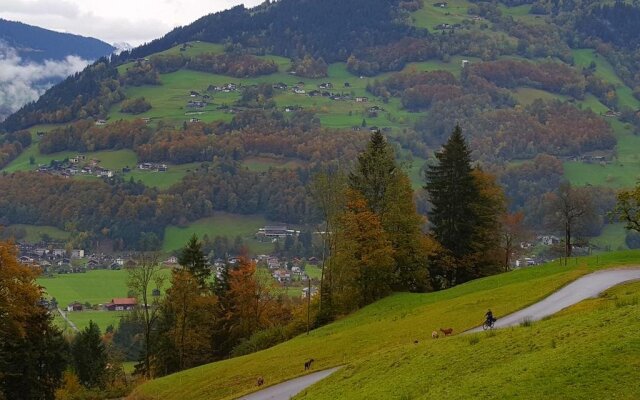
22	82
133	21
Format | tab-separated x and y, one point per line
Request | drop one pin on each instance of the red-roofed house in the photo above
122	304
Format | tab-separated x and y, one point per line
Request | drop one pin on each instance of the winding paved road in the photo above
583	288
586	287
288	389
71	324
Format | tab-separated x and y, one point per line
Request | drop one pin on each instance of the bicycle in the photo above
488	324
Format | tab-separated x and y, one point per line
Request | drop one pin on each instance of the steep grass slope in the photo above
387	328
590	351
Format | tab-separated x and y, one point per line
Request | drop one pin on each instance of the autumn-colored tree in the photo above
144	277
403	226
362	266
513	232
251	303
490	207
185	325
327	191
628	208
567	210
32	351
386	188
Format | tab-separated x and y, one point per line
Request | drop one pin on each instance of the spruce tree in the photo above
388	193
90	356
374	171
192	258
453	192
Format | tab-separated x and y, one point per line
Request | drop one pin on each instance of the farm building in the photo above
121	304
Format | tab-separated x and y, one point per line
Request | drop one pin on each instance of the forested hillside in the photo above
544	92
37	44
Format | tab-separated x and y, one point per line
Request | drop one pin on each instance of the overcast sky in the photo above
132	21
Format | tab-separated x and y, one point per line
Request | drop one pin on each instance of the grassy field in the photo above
34	232
612	238
623	171
383	333
221	224
588	351
108	159
526	95
94	287
263	164
429	16
584	57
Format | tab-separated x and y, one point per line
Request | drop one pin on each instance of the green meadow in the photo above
376	346
94	287
221	224
34	233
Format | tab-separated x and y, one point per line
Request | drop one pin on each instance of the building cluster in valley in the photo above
79	165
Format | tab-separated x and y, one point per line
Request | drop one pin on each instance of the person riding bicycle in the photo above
489	317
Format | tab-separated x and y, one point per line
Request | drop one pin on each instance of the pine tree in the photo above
363	261
387	190
374	171
453	192
90	356
193	260
403	225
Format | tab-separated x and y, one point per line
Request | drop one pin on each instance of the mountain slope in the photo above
33	59
381	337
37	44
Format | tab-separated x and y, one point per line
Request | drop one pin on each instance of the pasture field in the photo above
382	335
455	12
94	287
612	238
263	164
34	232
221	224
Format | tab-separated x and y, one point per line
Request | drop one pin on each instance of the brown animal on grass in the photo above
434	335
307	364
415	341
447	331
260	381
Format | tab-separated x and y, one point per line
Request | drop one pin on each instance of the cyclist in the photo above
489	317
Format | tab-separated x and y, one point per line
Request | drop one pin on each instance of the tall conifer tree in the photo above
193	260
453	192
388	193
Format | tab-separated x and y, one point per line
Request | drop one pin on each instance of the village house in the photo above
548	240
75	306
121	304
173	260
325	85
276	232
282	276
305	292
77	253
525	262
362	99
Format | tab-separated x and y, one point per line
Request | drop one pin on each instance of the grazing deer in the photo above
307	364
434	335
260	381
447	331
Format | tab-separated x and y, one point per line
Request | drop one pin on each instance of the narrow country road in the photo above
71	324
288	389
586	287
583	288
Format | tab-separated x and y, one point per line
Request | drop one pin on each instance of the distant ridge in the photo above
38	44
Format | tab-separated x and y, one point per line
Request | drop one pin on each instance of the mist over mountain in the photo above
33	59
